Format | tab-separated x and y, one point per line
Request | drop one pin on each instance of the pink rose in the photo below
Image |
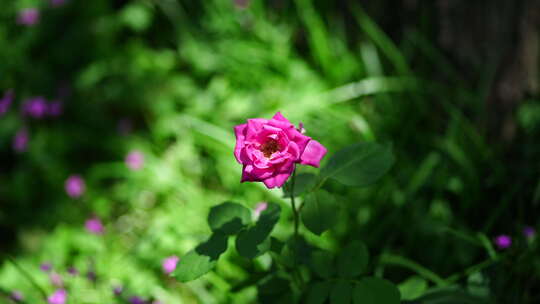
169	264
268	149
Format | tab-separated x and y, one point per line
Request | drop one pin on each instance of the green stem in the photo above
295	212
296	219
27	276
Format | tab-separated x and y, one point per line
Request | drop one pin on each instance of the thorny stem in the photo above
27	276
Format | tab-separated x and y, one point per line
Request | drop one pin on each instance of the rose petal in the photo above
254	127
276	181
280	117
313	153
240	133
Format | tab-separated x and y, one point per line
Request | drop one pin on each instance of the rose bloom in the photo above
94	225
28	16
75	186
169	264
503	241
58	297
135	160
268	150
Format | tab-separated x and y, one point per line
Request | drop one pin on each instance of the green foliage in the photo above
320	211
359	165
375	291
202	259
254	241
228	218
341	292
183	73
352	260
319	292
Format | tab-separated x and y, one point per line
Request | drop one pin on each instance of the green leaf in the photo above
359	165
202	259
228	218
375	291
320	212
303	183
352	260
318	293
412	288
341	293
254	241
322	263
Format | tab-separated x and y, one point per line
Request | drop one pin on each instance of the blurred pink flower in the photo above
260	207
268	149
135	160
58	297
16	296
6	101
46	267
73	271
94	225
75	186
56	279
169	264
35	107
20	140
28	16
503	241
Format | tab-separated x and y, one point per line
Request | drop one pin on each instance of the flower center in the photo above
269	147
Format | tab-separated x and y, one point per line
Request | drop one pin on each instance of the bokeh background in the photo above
116	138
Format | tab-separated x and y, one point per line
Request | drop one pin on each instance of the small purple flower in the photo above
94	225
6	101
16	296
75	186
57	3
136	300
135	160
73	271
20	140
260	207
28	16
56	279
117	291
529	232
55	108
169	264
58	297
503	241
35	107
45	267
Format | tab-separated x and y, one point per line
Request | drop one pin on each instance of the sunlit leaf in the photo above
228	218
254	240
202	259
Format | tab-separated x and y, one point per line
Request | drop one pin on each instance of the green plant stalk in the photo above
296	219
27	276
